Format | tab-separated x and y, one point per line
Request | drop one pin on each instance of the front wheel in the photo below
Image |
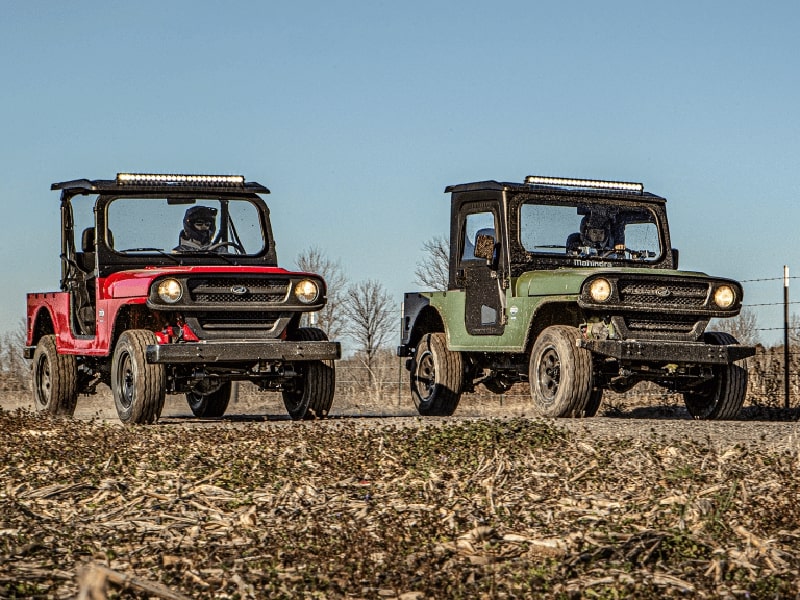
311	396
55	379
560	374
206	405
138	386
437	377
723	396
593	405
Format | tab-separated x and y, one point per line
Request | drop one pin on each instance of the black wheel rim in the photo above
195	400
44	384
293	397
125	381
293	400
548	374
425	375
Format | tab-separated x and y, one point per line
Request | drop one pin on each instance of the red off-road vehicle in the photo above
170	284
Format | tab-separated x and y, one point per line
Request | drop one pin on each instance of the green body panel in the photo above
525	295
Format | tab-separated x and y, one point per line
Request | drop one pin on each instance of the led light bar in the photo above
157	179
624	186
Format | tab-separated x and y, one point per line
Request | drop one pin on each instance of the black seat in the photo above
86	257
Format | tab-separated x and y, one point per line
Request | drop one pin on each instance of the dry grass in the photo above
349	508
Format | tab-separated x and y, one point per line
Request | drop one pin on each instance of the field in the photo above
640	503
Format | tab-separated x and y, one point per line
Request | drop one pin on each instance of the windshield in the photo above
616	232
184	225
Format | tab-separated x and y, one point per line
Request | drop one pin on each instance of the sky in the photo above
357	115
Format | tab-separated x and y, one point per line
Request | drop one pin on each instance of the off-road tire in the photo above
724	395
54	379
593	405
560	374
138	387
437	377
312	396
214	404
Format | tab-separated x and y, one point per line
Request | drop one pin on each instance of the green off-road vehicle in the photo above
573	286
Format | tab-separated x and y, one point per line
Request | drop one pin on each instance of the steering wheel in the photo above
235	245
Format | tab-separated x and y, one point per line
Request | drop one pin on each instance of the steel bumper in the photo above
242	351
668	352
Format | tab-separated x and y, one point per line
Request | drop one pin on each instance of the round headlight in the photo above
600	290
306	291
170	291
724	296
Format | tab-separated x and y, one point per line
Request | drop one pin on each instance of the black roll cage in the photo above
510	196
108	261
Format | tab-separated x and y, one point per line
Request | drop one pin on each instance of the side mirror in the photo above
674	258
484	247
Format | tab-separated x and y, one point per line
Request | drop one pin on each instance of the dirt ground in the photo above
619	416
377	502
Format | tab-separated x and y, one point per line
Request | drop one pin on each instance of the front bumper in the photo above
242	352
658	351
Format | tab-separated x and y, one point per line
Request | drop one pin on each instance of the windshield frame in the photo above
110	261
224	228
524	259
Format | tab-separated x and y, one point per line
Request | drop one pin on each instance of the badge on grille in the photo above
663	292
239	290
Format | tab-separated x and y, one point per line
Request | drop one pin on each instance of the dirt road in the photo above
765	427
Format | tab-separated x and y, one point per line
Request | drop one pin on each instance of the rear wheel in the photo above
437	377
138	387
723	396
312	394
212	404
560	374
54	378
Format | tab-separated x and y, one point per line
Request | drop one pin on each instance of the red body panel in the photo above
113	292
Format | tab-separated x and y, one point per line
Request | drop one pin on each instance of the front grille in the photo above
663	295
237	290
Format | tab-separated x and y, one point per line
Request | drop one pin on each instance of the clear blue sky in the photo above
357	115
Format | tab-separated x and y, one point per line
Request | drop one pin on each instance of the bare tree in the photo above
14	371
433	269
330	319
370	321
743	327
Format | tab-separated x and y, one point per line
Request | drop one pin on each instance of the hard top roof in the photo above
582	187
149	183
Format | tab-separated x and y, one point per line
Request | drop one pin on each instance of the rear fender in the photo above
419	318
40	325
